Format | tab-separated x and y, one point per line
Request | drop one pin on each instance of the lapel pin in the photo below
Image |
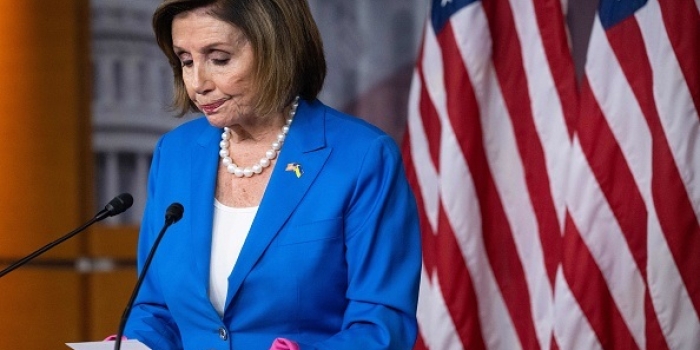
296	168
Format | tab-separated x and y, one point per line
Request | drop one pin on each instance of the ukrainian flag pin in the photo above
296	168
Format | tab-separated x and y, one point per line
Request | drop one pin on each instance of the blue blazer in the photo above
332	260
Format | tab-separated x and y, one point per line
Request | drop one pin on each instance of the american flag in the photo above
553	215
631	268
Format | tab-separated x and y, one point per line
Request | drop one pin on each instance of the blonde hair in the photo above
286	44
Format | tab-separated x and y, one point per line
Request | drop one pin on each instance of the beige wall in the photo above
46	182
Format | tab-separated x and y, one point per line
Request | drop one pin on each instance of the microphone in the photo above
172	215
116	206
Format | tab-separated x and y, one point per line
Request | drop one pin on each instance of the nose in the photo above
201	79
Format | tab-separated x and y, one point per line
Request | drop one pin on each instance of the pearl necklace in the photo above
264	162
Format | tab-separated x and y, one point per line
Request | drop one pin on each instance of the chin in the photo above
217	121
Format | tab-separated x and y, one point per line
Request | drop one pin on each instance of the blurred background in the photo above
84	95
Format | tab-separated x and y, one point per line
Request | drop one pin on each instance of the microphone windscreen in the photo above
174	212
119	204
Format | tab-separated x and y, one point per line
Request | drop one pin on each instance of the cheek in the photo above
235	84
237	76
189	87
187	80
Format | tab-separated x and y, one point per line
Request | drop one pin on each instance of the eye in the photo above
219	57
220	61
184	57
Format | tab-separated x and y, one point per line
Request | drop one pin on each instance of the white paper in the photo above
130	344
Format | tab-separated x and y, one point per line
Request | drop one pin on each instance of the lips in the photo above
211	107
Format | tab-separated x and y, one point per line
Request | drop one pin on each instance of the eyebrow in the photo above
207	48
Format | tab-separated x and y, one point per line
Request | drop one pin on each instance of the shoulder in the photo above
345	131
352	142
340	122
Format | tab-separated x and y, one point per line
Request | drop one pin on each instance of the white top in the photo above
231	227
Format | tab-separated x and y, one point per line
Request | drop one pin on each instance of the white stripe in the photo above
462	210
547	111
565	7
606	243
629	127
471	31
434	321
426	173
433	71
626	121
672	304
618	104
678	317
464	214
572	329
428	176
631	132
673	100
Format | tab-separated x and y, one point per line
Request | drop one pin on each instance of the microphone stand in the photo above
43	249
116	206
172	215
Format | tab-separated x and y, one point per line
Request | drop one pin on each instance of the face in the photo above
217	67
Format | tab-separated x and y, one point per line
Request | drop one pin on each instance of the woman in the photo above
300	230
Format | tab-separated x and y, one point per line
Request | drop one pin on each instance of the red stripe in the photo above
431	123
617	183
655	336
420	344
682	23
428	245
550	20
673	206
614	177
457	286
429	116
464	116
591	292
553	345
441	255
507	58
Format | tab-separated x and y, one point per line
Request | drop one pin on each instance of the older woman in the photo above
300	230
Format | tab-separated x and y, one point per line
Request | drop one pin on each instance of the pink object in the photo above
284	344
114	337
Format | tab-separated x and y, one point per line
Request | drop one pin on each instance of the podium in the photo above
130	344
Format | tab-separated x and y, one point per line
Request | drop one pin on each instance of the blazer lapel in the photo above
304	146
203	170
